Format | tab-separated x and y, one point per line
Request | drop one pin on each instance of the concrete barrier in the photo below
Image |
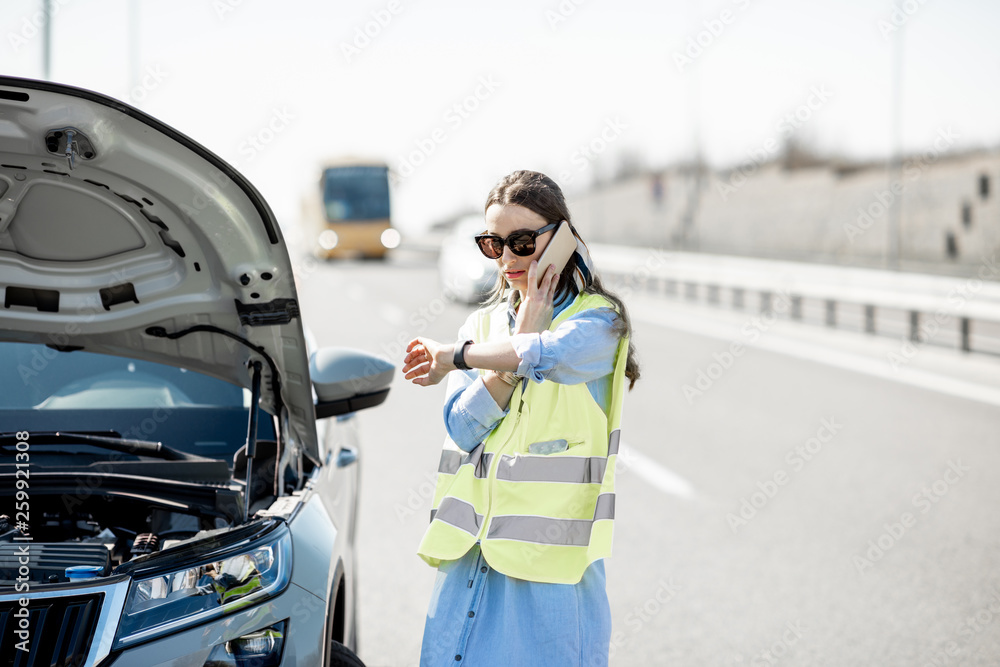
962	313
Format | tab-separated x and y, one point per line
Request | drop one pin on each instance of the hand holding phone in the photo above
557	253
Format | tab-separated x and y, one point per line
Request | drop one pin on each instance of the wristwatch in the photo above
459	359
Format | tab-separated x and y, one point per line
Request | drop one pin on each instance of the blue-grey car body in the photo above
163	270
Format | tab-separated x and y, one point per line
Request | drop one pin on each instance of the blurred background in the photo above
762	127
798	201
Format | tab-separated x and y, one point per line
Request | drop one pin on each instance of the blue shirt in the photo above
470	412
478	616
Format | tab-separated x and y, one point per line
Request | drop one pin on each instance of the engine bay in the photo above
100	531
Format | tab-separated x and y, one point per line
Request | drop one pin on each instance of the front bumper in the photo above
304	613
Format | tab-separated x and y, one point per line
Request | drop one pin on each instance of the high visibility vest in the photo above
538	493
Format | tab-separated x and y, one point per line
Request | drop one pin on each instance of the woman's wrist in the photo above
509	377
447	359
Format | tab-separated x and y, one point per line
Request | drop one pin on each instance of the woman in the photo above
524	503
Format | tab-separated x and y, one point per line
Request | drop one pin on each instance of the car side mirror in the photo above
348	380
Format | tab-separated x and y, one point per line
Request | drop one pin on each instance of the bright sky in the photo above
536	83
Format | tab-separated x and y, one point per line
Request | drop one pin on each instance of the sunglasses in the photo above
521	242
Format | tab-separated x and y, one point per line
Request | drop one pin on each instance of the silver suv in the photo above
178	474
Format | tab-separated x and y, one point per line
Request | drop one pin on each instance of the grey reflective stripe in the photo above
613	441
483	467
605	508
541	530
452	460
458	513
570	469
544	530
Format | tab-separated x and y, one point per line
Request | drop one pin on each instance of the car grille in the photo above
61	629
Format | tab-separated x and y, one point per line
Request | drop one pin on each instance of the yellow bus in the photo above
353	217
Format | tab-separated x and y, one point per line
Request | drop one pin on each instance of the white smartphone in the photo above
560	248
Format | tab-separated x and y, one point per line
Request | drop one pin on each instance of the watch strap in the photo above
459	359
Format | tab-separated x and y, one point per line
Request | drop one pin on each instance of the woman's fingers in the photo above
550	278
413	358
532	277
419	361
415	371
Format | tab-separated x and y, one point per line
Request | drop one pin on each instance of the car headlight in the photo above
328	239
169	601
390	238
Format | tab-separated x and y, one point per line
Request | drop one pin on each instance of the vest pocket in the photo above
548	447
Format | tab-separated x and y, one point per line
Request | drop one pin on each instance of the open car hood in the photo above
136	233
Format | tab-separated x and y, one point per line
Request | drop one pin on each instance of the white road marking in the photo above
631	460
820	353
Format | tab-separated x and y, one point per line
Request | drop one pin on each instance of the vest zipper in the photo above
494	464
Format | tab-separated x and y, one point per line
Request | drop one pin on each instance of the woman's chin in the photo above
518	284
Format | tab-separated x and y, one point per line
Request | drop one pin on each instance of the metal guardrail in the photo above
943	311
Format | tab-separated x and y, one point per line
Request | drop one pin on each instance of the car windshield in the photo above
356	194
49	390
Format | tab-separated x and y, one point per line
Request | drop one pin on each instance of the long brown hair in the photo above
539	193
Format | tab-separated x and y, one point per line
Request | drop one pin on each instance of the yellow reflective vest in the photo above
538	493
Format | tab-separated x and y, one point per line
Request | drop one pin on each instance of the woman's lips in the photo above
511	275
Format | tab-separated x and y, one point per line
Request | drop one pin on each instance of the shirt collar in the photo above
513	299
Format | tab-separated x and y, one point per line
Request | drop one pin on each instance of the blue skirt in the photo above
479	617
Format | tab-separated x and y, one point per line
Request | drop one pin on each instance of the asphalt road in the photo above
774	508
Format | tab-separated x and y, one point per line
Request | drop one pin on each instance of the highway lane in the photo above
787	512
796	467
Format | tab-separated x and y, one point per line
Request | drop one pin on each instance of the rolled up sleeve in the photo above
580	349
470	412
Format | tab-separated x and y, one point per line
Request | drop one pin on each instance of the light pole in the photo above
47	40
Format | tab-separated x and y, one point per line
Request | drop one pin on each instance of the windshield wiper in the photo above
118	444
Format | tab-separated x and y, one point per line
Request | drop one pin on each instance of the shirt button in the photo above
483	569
471	614
458	657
